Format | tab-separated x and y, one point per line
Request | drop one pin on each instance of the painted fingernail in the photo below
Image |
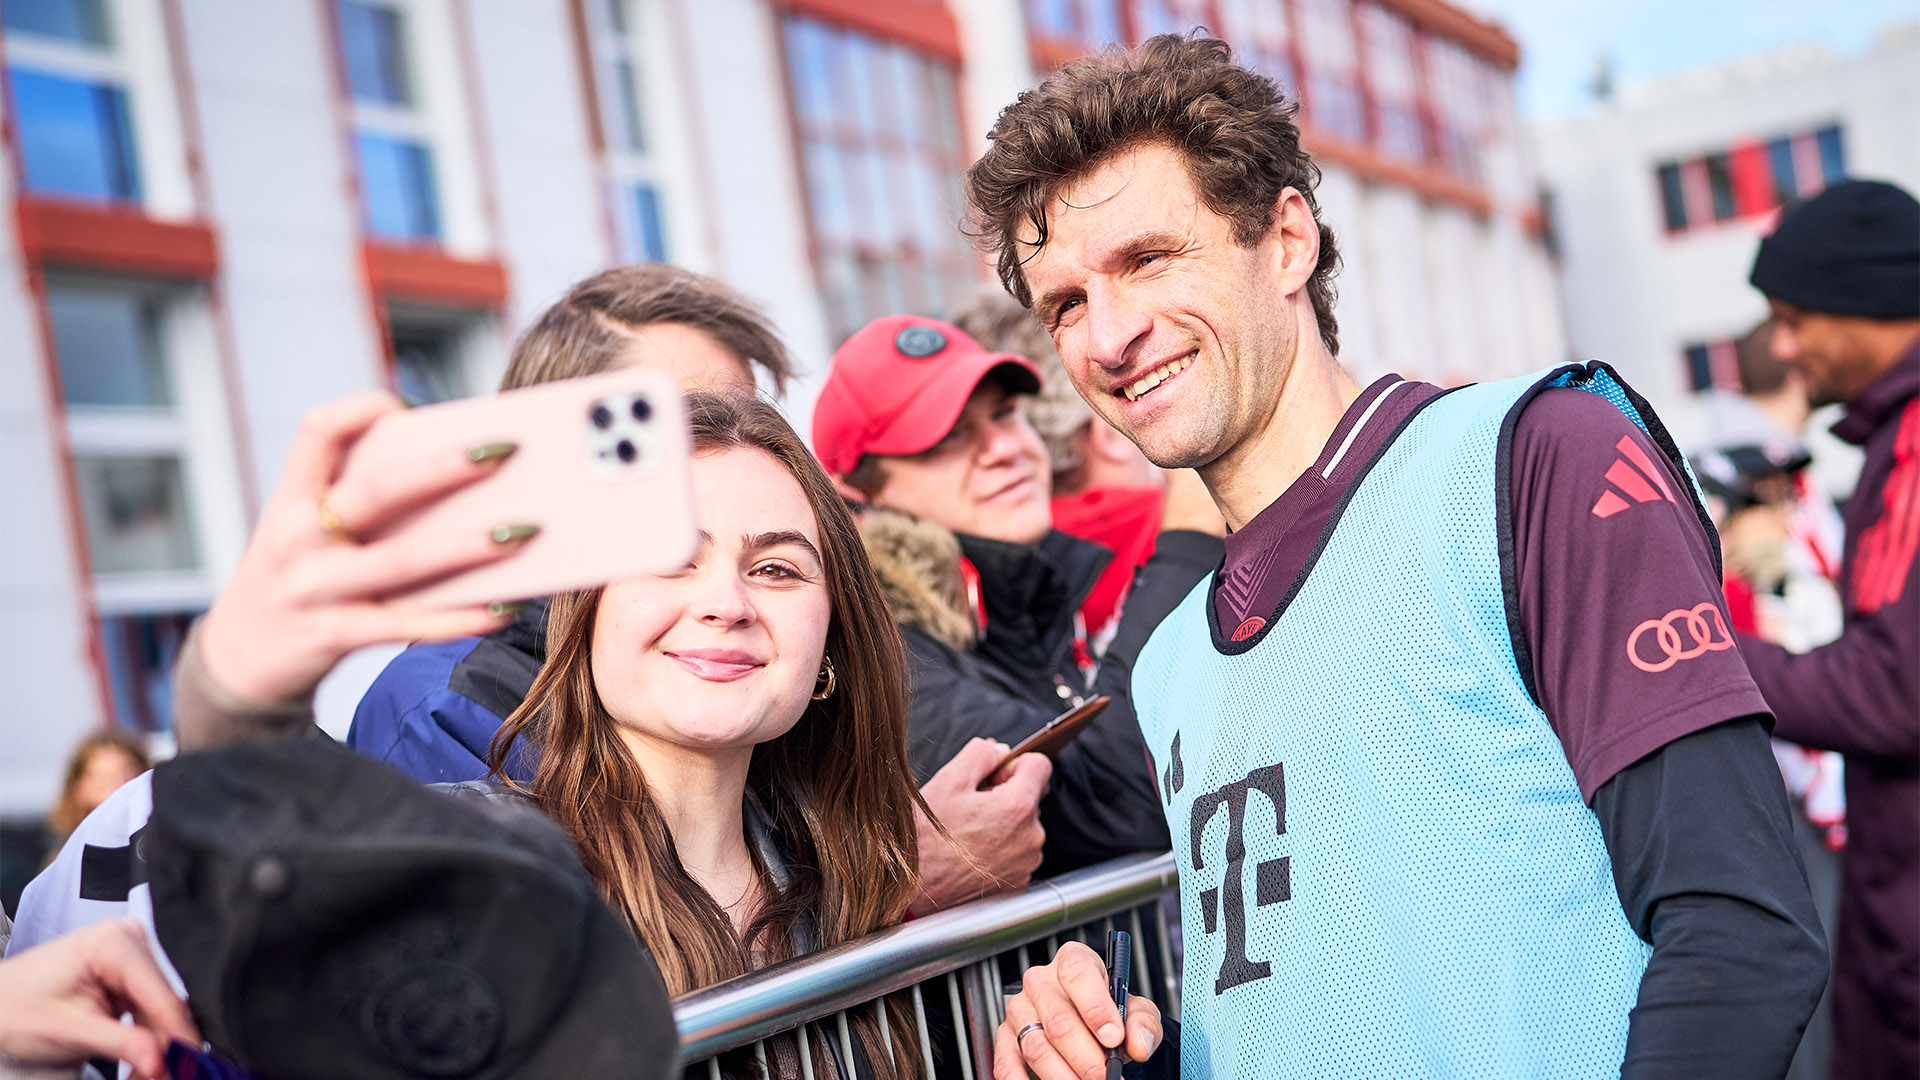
492	453
500	609
513	534
1110	1035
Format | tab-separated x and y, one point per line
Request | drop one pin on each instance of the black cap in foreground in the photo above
1853	249
332	918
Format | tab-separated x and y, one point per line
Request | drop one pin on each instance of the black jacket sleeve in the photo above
1704	860
1102	802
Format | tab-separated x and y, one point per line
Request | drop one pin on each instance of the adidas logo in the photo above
1635	474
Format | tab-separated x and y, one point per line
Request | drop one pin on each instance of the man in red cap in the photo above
927	431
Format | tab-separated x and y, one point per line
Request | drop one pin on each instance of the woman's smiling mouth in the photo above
717	665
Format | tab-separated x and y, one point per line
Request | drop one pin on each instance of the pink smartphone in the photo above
602	469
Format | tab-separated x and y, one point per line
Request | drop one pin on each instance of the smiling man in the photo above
927	432
1464	773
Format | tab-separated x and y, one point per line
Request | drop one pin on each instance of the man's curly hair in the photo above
1235	128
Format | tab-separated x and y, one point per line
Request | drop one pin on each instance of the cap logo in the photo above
919	342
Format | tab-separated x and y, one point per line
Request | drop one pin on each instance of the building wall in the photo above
1637	294
246	122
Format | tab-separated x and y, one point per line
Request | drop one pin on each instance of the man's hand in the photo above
60	1003
998	829
1078	1022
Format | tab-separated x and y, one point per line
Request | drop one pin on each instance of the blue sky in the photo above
1647	39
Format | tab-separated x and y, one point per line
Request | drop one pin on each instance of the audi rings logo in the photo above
1681	634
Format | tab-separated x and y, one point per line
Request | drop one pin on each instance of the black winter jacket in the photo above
1022	672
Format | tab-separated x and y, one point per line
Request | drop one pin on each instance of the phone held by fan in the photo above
599	464
1053	736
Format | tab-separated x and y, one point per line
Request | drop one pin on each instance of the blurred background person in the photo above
1104	489
100	764
926	433
1841	276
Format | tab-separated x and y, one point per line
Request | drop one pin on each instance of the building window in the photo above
1457	87
399	195
1332	61
1712	365
438	353
1074	26
1388	38
1752	178
615	31
1152	17
133	465
1262	39
69	87
881	151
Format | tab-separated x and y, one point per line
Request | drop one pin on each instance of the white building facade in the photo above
1659	199
220	213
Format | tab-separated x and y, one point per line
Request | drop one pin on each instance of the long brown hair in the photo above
837	786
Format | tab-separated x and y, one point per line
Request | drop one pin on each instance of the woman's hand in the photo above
308	591
60	1003
1063	1020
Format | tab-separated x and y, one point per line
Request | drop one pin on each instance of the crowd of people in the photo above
1450	702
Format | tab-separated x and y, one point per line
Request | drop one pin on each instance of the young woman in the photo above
726	744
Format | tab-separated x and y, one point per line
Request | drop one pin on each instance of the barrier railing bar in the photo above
962	1041
920	1019
790	993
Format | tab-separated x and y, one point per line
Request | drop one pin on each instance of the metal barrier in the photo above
961	957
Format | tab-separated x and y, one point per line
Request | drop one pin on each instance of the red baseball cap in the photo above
897	386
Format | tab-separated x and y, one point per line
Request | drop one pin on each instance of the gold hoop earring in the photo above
823	686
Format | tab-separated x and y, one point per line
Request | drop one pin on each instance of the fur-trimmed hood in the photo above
918	563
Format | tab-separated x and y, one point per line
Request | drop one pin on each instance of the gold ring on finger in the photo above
331	523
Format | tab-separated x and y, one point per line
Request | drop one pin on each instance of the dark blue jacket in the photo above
433	711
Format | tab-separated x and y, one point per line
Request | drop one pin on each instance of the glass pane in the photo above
135	508
617	16
648	242
1699	368
82	21
828	188
371	36
141	650
1780	160
396	184
1673	197
426	365
807	48
74	136
1833	158
109	348
627	132
1720	184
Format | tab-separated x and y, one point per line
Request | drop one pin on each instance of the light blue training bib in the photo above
1386	867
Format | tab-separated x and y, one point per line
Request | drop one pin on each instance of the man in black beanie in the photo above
1842	276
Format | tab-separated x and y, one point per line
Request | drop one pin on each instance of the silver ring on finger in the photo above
1021	1035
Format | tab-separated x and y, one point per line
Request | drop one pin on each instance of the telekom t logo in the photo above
1272	880
1638	483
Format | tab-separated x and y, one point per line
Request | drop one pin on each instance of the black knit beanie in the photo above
1854	249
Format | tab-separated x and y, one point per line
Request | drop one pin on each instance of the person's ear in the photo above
848	491
1294	238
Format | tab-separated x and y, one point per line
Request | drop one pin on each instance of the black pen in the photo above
1119	977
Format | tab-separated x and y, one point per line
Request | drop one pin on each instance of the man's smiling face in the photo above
1176	334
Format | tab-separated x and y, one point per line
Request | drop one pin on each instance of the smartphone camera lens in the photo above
626	451
642	409
602	417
